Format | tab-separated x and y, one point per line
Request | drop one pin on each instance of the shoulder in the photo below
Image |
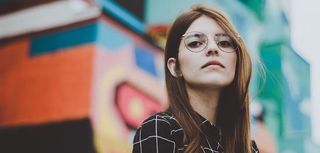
159	124
155	135
161	121
254	147
158	118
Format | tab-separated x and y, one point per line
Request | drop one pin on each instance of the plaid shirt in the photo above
161	133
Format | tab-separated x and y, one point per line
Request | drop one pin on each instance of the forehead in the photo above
206	25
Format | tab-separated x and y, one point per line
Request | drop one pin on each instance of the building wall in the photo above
86	87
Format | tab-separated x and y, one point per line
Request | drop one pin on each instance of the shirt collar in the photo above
208	128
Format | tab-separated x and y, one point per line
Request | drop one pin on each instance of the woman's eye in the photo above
225	44
195	44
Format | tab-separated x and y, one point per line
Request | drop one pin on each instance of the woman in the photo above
207	73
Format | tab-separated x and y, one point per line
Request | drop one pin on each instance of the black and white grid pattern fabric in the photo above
161	133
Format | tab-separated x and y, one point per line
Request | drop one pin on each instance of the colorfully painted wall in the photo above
98	71
87	87
127	87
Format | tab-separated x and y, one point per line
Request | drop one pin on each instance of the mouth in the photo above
212	63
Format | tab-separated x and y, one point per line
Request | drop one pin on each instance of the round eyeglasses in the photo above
198	41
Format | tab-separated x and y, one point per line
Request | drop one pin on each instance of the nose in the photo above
212	48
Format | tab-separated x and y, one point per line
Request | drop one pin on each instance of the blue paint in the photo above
145	60
111	38
67	38
99	32
122	14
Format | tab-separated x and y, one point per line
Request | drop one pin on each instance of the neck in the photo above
204	102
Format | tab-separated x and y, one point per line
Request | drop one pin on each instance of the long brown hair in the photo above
232	115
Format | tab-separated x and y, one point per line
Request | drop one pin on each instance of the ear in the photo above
172	66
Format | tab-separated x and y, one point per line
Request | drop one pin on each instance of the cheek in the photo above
181	56
183	61
233	63
187	61
187	68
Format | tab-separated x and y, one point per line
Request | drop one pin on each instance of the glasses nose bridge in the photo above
212	44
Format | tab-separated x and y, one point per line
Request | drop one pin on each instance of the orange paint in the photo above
13	53
40	89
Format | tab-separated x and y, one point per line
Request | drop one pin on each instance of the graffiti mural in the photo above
127	87
98	77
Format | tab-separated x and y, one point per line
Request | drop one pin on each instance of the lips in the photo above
212	63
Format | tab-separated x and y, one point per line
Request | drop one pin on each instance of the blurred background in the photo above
79	76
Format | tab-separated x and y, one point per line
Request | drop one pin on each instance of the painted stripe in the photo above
122	14
46	16
68	38
100	33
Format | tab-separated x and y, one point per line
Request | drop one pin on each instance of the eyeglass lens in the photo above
197	41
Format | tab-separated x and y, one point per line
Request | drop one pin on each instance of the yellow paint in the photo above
136	108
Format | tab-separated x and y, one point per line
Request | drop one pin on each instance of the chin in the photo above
218	80
217	84
211	81
214	84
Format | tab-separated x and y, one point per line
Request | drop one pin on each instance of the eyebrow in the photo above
218	33
222	34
